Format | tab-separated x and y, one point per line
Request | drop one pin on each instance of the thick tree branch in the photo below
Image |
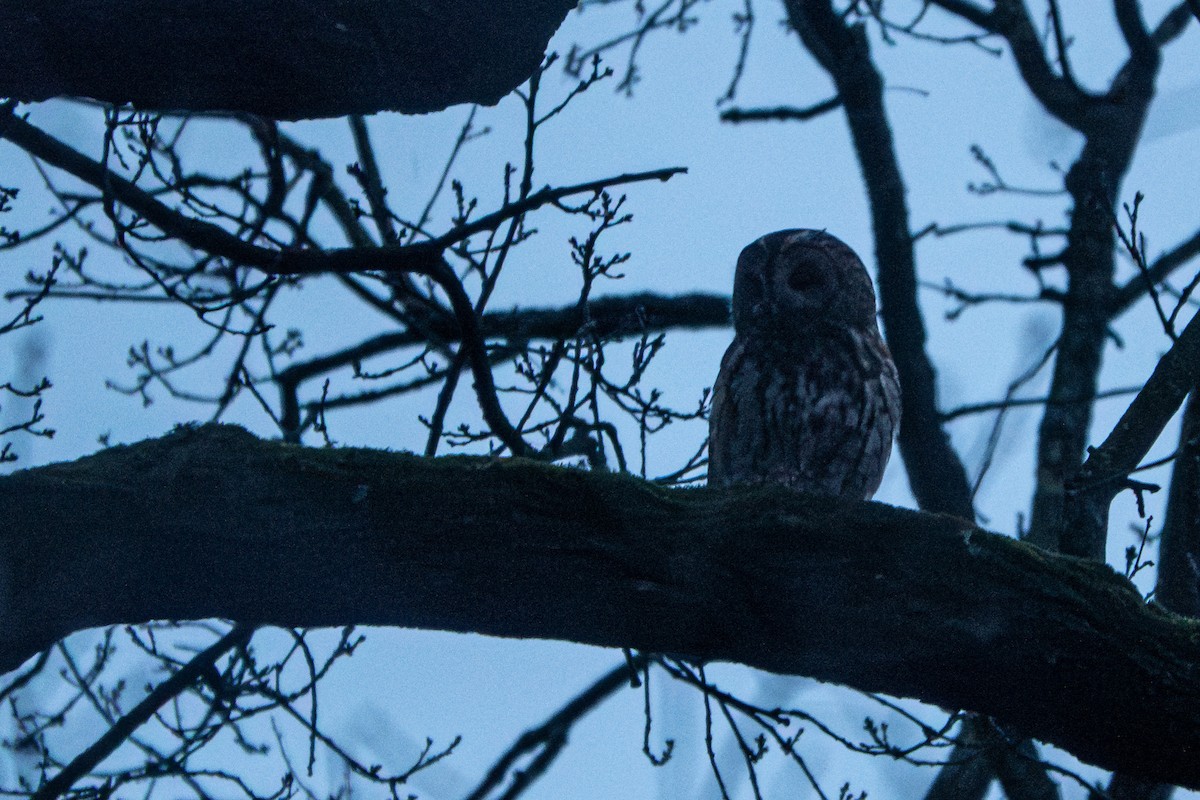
212	522
358	56
611	316
1058	94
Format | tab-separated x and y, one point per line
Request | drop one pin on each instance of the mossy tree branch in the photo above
212	522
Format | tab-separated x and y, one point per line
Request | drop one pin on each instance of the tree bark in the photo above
212	522
288	59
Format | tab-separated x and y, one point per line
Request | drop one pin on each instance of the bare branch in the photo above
548	738
1133	28
1172	25
612	316
1017	402
972	13
780	113
422	257
417	257
367	172
1107	469
162	694
1156	273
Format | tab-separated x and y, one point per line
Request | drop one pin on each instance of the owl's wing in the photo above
819	420
722	417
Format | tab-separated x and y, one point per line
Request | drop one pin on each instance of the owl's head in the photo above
790	280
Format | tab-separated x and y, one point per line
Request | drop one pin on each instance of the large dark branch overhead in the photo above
215	523
289	59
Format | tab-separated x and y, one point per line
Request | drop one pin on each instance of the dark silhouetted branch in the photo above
125	727
1107	469
612	316
242	55
212	522
780	113
1156	272
547	740
422	257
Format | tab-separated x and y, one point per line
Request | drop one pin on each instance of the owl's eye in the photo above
804	276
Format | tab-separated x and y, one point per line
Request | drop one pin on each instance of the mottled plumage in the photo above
807	394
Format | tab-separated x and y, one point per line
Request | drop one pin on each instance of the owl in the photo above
807	395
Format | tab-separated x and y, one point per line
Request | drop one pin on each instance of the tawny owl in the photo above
807	395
